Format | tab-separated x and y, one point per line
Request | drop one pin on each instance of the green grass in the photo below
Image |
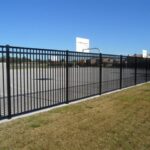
116	121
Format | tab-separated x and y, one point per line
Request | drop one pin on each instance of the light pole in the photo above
91	49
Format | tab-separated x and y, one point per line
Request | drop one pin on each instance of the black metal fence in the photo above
33	79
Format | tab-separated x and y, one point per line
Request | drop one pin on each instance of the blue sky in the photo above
115	26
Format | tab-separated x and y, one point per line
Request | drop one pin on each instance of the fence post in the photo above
100	74
135	76
8	80
146	68
67	98
120	71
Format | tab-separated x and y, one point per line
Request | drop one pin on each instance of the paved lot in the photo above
35	88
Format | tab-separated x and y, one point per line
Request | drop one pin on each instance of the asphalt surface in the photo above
37	88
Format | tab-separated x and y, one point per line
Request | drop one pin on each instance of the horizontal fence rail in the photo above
32	79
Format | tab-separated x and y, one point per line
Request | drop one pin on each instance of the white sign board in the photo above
145	53
82	45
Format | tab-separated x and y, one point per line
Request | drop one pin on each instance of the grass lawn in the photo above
117	121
